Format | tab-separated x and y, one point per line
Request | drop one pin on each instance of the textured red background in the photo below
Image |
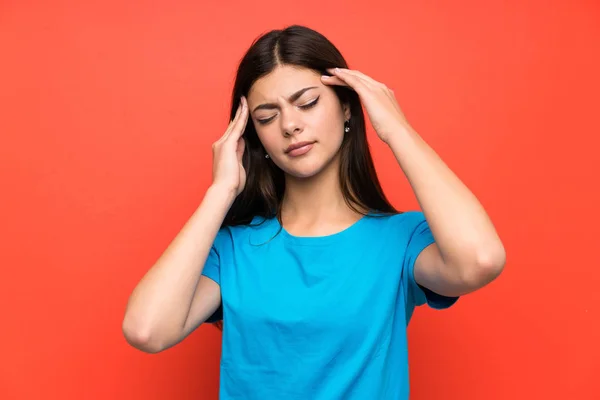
107	113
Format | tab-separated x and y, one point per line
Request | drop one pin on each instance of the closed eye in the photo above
311	104
303	107
266	120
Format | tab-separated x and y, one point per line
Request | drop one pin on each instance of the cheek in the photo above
331	130
329	120
267	137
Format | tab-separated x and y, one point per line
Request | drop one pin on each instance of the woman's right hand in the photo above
228	172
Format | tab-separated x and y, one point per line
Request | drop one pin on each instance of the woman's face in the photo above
299	120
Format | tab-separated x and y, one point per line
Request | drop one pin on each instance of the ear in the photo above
346	109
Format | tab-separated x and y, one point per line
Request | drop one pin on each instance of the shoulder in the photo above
404	224
236	235
408	219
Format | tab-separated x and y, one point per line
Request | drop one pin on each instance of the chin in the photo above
304	174
305	168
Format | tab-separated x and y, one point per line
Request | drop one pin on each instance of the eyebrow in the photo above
291	99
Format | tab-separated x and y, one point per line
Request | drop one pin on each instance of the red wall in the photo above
107	114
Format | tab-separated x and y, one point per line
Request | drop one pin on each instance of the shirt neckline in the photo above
319	240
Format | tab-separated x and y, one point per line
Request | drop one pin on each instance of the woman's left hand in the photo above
379	100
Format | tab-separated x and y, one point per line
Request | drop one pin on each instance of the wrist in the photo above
222	193
403	135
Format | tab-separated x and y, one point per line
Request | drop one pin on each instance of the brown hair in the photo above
265	184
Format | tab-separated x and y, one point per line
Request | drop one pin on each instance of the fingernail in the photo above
325	76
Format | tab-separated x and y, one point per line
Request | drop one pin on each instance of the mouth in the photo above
298	149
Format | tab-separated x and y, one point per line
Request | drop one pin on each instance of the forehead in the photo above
283	81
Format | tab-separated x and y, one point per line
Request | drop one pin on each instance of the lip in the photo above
298	149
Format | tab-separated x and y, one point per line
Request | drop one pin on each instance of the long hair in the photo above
265	184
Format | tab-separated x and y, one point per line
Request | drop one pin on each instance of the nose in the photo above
289	132
291	123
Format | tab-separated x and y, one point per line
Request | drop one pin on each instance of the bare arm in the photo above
467	253
173	298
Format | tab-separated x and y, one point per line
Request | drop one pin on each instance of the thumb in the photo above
241	147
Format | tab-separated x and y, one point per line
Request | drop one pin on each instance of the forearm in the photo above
160	303
461	227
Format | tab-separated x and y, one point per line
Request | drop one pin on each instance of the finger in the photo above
392	97
346	74
236	118
240	125
333	80
241	147
362	76
232	123
353	81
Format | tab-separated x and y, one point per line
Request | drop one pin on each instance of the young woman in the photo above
294	246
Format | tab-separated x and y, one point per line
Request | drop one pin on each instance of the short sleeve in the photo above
212	270
212	266
420	238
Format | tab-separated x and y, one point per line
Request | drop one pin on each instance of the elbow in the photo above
488	265
140	336
484	268
492	261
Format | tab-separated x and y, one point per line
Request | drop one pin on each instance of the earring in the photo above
347	126
266	156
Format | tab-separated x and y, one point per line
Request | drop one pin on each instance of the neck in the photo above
318	198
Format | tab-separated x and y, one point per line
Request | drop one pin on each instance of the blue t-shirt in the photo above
319	318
